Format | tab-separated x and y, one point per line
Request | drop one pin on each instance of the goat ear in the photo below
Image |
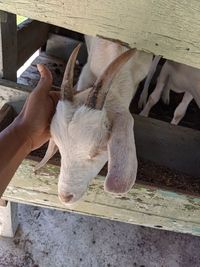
51	150
122	159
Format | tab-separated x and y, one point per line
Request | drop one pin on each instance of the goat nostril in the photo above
65	197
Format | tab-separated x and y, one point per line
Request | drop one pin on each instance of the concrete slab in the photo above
49	238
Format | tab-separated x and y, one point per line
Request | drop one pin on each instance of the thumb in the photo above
55	96
45	82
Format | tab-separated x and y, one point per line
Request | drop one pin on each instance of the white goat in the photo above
179	78
94	125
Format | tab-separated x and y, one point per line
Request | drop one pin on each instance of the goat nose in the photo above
65	197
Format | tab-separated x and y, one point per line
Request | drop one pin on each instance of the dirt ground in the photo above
49	238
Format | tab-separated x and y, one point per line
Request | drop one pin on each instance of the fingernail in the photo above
40	67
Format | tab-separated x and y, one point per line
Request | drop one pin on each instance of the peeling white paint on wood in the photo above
143	205
169	28
12	92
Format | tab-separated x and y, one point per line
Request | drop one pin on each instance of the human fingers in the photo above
45	82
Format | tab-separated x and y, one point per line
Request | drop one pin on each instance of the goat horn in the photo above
67	82
99	91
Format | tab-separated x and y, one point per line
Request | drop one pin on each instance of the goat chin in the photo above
74	183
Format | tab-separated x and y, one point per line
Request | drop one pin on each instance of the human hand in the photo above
35	118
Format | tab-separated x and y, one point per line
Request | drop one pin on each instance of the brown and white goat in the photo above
95	125
179	78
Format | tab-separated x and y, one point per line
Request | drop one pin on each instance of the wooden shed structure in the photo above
168	28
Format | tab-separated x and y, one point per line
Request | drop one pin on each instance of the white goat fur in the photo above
179	78
88	138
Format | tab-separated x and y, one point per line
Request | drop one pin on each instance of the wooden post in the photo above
8	46
8	219
31	35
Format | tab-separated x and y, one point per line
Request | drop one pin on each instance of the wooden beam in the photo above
62	47
9	85
173	146
8	219
31	35
8	46
13	93
169	28
143	205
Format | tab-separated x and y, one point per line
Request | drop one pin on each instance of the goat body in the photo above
124	86
179	78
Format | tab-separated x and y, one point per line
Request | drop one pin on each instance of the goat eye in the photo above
93	154
108	126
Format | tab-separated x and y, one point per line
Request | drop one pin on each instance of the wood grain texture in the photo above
143	205
12	92
61	47
8	46
31	35
175	147
169	28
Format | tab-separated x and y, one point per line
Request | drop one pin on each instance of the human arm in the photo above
29	130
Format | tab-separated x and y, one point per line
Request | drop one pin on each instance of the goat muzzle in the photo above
66	198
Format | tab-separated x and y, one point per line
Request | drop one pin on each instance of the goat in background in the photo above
177	77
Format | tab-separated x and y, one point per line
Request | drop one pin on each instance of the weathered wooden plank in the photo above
9	85
176	147
143	205
8	46
62	47
13	93
31	35
169	28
